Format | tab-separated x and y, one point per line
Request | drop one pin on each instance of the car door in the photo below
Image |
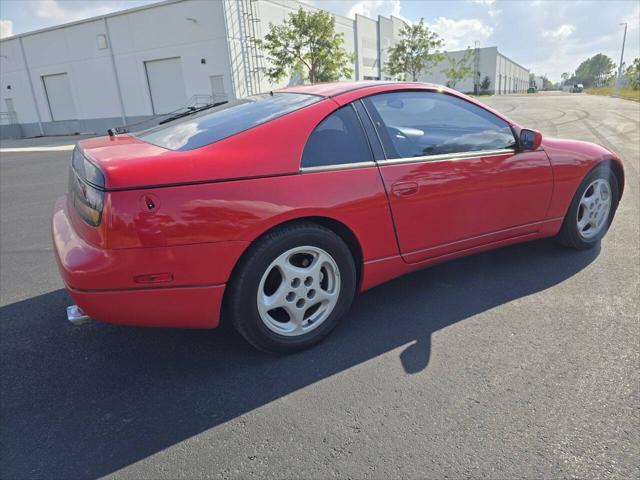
453	174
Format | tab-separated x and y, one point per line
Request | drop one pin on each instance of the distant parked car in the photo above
578	88
532	90
273	211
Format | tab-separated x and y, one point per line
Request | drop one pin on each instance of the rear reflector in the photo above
154	278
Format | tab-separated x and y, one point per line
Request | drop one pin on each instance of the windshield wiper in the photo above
191	111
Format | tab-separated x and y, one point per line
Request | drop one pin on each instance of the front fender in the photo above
571	161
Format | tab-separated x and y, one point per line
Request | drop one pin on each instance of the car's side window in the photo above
337	140
416	124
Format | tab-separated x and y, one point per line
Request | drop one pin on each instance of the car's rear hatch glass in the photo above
211	125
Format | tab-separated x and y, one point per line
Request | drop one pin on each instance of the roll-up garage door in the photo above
166	84
59	96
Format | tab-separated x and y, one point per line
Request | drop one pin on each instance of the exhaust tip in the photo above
76	315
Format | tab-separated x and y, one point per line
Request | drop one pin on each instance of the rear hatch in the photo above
230	141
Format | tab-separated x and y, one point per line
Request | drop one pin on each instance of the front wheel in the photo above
591	211
292	287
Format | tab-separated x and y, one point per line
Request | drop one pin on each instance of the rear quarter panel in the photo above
242	210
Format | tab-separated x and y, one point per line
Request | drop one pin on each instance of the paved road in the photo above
521	362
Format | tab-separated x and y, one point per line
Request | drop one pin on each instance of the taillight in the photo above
86	188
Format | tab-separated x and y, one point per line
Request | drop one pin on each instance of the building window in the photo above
102	42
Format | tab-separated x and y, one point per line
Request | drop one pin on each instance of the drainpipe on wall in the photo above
379	47
115	71
33	91
355	45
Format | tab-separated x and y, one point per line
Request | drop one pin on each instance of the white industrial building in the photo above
126	66
538	82
505	75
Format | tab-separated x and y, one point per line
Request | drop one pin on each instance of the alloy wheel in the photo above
594	208
298	291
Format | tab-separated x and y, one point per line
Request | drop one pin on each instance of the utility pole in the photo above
476	68
624	39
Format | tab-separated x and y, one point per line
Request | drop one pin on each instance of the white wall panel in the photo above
505	75
14	82
367	48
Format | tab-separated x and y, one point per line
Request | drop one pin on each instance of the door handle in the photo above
404	189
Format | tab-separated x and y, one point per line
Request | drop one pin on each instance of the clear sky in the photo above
549	37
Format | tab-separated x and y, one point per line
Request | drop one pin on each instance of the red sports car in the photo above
273	211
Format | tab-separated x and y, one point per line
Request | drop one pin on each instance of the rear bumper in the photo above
187	307
109	284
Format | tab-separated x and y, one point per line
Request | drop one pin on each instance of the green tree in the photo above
595	71
418	50
546	83
458	70
633	74
485	84
565	76
306	44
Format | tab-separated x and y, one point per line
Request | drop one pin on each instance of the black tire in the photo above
241	303
569	234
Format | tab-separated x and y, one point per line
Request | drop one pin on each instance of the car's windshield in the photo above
213	124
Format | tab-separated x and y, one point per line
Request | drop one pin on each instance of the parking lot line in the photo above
57	148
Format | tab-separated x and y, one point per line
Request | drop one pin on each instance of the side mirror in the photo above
530	139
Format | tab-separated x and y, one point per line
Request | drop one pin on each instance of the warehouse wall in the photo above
98	73
204	40
78	50
510	77
14	86
368	59
539	82
386	40
487	66
505	75
276	11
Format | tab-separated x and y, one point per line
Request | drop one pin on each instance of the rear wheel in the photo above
292	287
591	211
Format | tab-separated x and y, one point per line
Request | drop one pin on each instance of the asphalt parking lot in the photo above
517	363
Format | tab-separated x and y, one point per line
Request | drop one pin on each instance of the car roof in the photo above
346	92
333	89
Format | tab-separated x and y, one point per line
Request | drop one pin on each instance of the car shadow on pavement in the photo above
87	401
